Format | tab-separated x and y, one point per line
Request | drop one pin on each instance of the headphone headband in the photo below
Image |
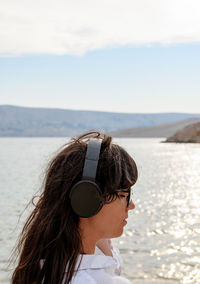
91	160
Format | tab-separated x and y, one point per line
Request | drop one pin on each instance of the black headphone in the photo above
86	195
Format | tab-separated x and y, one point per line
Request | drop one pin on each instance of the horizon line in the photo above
88	110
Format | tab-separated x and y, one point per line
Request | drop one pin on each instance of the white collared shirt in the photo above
97	269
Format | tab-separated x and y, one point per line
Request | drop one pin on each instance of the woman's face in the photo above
111	219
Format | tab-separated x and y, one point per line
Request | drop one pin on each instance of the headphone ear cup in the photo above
86	198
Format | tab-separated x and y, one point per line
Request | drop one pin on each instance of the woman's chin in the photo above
118	234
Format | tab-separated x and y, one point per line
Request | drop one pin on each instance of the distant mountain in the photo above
26	121
161	130
188	134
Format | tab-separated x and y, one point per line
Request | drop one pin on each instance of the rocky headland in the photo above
188	134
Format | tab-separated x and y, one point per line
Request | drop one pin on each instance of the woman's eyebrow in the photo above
123	191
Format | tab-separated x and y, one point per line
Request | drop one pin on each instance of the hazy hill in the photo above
26	121
161	130
188	134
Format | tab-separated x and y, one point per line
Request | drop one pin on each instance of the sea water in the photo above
161	242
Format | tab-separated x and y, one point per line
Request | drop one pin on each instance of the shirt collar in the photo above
92	261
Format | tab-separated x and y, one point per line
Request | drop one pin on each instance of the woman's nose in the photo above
131	206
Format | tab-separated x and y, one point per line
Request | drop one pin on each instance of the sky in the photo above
120	56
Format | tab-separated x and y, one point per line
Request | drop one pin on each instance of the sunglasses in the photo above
128	198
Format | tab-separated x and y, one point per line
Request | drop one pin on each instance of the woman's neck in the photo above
89	239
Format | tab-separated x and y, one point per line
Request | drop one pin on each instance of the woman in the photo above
85	202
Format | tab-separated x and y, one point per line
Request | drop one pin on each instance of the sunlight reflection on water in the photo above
161	240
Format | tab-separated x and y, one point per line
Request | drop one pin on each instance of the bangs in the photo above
117	170
126	171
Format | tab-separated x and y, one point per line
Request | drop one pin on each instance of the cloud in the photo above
75	27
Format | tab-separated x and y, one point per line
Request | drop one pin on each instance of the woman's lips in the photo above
124	222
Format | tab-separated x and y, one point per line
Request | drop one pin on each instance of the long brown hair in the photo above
51	232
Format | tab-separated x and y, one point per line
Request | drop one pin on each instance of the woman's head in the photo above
52	230
116	170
